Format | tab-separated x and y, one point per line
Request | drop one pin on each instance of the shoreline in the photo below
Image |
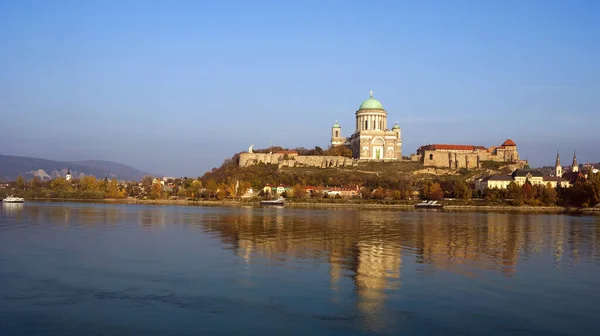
324	205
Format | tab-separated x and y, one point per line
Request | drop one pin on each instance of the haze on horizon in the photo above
176	87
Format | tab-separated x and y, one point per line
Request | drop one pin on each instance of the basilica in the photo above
372	140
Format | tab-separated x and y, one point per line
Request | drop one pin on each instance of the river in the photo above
113	269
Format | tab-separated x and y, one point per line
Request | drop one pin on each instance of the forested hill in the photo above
28	167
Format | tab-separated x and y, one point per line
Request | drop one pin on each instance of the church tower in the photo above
68	177
558	172
336	135
575	166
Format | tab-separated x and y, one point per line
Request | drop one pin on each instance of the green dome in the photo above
371	104
336	125
396	126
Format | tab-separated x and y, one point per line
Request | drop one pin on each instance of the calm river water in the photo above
94	269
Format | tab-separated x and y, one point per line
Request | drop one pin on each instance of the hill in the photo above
28	167
370	174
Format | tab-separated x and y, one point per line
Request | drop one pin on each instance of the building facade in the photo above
520	177
372	139
466	156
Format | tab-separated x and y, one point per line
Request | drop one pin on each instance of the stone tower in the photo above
557	167
575	166
336	135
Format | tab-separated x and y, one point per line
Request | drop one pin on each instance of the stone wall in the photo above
249	159
454	160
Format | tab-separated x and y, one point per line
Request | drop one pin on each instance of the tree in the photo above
462	190
20	182
156	191
34	184
432	191
298	191
112	189
89	183
147	183
528	191
515	193
59	184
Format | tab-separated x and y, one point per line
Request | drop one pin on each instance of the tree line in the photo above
232	181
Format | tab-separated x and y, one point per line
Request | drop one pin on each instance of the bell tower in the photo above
558	172
575	166
336	135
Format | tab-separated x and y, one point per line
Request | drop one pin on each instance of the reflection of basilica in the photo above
366	247
364	250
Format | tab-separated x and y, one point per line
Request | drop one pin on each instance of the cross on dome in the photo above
371	93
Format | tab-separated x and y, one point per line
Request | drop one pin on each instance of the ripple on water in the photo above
312	271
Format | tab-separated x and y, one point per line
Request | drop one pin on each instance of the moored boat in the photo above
429	205
278	201
12	199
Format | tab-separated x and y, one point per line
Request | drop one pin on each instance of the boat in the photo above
12	199
278	201
429	205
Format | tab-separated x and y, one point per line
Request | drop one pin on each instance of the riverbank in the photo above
336	203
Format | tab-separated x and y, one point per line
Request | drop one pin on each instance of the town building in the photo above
520	177
466	156
372	139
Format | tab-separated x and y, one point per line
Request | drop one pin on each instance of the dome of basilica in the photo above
371	104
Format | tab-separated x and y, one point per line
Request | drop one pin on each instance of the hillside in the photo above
371	174
28	167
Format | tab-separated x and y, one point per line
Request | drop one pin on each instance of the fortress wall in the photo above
249	159
432	158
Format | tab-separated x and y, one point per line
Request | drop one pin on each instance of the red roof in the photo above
509	142
452	147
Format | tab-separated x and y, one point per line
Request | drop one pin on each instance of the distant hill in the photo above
28	167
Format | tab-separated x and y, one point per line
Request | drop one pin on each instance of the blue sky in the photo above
176	87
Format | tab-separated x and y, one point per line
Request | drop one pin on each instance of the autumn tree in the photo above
156	191
298	191
195	188
462	190
35	183
113	191
515	193
432	191
20	182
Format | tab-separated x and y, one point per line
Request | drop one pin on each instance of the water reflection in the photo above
372	250
12	209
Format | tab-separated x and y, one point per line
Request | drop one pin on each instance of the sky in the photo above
176	87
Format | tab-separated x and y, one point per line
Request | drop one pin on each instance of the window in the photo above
337	134
366	124
430	156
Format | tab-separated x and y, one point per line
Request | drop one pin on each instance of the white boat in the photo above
278	201
12	199
429	205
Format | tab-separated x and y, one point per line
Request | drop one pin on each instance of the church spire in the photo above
574	166
558	168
